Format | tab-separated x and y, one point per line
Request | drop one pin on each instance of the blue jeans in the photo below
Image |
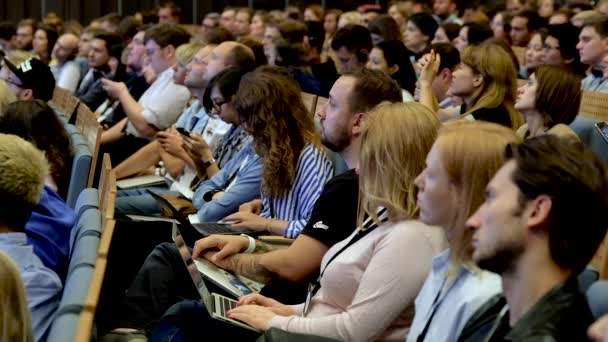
190	321
137	201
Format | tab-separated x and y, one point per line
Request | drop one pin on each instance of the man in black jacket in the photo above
541	223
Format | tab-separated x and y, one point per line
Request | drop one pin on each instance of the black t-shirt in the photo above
334	216
498	115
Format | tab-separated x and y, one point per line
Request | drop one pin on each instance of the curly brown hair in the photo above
270	108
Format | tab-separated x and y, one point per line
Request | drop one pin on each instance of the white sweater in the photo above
368	291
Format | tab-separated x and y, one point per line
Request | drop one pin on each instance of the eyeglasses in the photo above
217	105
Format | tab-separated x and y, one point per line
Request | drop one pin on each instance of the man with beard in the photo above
540	225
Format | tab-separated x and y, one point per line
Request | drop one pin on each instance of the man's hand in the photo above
247	220
254	207
598	331
227	246
172	144
114	89
198	149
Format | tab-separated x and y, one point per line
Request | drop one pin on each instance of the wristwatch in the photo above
209	163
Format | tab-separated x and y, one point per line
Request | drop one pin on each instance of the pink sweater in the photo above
368	291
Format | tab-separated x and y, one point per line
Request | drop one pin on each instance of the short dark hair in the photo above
293	31
534	23
385	26
371	88
395	53
219	35
176	11
450	56
241	56
354	38
227	81
425	23
600	25
451	30
7	30
478	33
576	180
567	36
167	34
28	22
113	42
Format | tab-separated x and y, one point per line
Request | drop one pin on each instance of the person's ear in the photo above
26	94
169	51
357	124
539	211
393	69
478	80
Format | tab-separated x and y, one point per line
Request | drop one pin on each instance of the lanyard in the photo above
434	307
367	228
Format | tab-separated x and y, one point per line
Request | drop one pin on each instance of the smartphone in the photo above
602	127
183	131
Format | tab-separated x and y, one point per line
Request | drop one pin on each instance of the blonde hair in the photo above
15	320
19	56
6	95
353	17
471	153
394	144
185	52
496	66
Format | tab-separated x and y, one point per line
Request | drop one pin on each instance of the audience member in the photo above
439	86
28	80
501	25
523	231
16	317
66	70
158	107
446	11
486	80
25	34
535	53
313	13
400	11
44	41
592	47
549	102
21	181
227	18
384	28
451	187
560	48
210	22
105	48
351	18
391	57
8	35
523	25
472	34
258	24
109	22
169	13
84	47
419	33
446	33
288	31
355	272
561	16
6	95
183	56
242	22
352	45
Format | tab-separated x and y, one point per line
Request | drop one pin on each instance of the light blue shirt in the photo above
455	304
314	169
43	287
595	82
194	118
241	176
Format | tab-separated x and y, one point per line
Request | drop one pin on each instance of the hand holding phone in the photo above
183	132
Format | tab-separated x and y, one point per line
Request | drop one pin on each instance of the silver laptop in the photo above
217	305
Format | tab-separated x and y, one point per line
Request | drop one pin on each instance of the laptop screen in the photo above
194	273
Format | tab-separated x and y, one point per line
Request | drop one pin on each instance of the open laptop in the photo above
204	228
216	305
602	127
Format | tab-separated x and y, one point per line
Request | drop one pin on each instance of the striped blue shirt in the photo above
314	169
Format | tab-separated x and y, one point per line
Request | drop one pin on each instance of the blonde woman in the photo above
352	17
15	320
461	163
486	80
184	55
364	291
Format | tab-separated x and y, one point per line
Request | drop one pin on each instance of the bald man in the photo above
66	71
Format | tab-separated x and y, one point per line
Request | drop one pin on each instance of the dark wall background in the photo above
85	10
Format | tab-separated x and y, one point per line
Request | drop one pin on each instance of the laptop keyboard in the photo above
217	228
227	304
